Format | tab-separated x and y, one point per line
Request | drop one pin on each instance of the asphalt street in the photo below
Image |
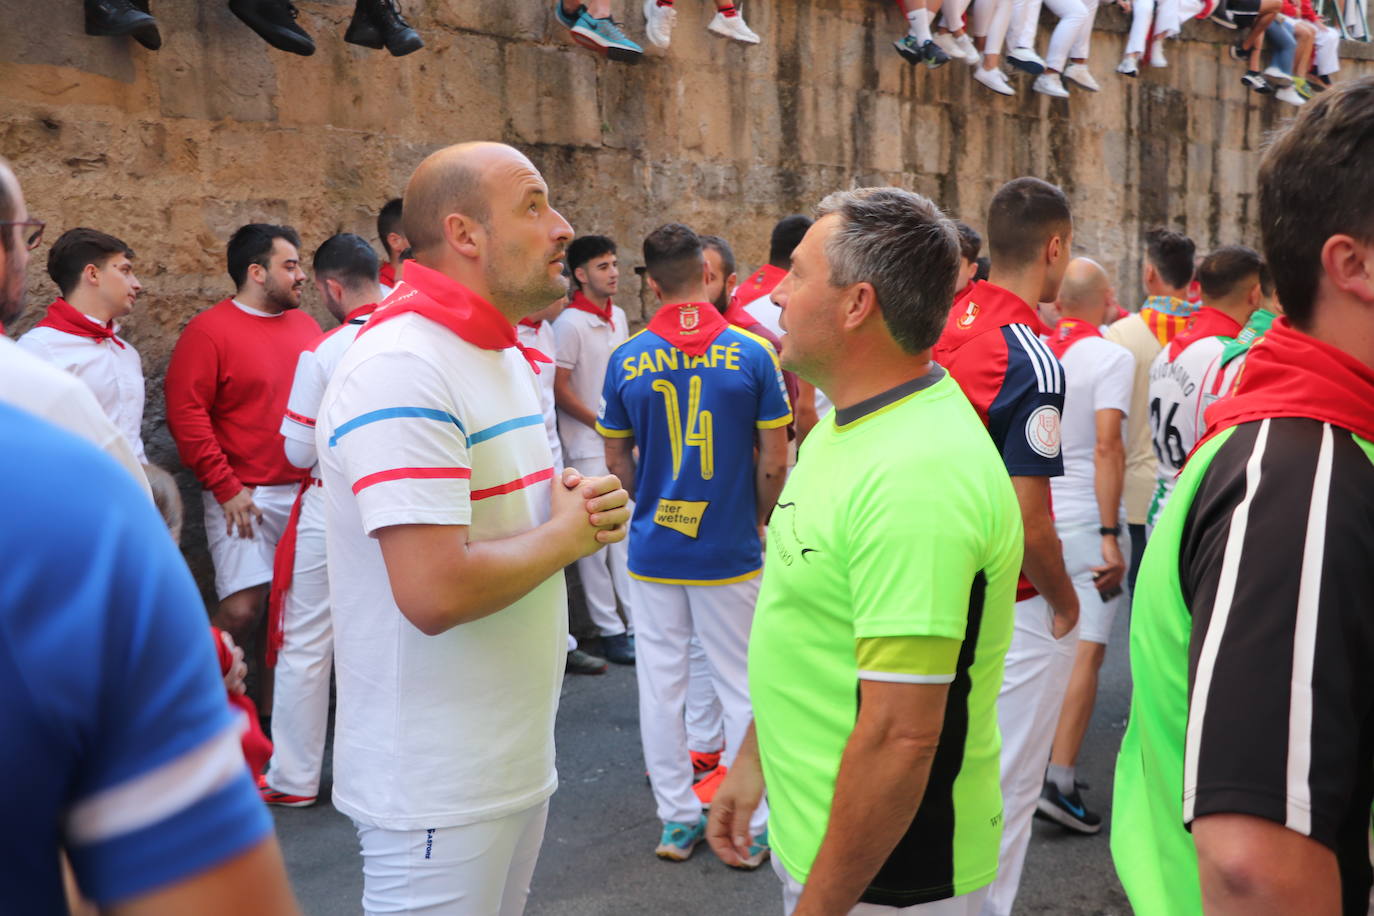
598	856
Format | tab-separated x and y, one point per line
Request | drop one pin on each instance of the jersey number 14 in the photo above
697	431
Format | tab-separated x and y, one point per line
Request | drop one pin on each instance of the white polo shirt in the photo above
542	339
113	373
585	344
418	426
314	369
1099	375
1178	398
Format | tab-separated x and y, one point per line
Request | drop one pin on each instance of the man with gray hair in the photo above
886	604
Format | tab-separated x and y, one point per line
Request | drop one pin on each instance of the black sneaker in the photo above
1067	811
619	649
120	17
580	662
934	56
1222	16
378	24
275	23
1257	83
1238	51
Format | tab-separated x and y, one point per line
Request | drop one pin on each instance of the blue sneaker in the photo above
605	37
910	48
758	853
563	18
679	840
1068	811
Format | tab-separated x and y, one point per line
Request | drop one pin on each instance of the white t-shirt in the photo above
767	313
542	339
113	373
45	391
314	369
585	344
418	426
1099	375
1177	399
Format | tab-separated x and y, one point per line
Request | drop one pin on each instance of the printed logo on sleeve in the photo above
1042	431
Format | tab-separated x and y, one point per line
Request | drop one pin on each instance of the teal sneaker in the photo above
758	853
564	19
605	37
679	840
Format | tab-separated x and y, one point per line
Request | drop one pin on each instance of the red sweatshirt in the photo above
227	387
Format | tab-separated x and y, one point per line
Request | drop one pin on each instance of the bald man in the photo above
448	530
1088	511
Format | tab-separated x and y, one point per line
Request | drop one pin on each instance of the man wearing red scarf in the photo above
1251	638
1235	283
94	273
393	238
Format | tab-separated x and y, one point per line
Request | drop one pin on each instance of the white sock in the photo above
919	25
1063	777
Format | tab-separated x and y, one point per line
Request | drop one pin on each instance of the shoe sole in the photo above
1065	819
732	36
935	64
750	864
1224	23
911	57
1083	86
602	670
994	90
624	56
1026	66
673	854
290	804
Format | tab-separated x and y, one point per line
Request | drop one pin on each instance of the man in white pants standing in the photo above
300	639
696	394
448	530
585	333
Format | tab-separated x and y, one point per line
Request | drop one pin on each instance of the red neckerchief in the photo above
359	313
580	302
760	283
984	307
530	323
738	315
1068	332
690	326
449	303
1206	322
64	317
387	275
1289	374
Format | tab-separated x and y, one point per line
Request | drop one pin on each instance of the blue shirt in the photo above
118	744
695	520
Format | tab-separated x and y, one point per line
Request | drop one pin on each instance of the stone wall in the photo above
173	150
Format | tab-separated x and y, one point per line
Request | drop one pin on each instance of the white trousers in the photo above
1026	19
952	14
1327	55
990	19
1037	674
964	905
481	869
246	562
705	727
720	616
300	705
604	573
1082	44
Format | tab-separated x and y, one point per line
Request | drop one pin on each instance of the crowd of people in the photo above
1303	47
862	523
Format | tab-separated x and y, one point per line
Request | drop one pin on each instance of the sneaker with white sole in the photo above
678	840
1256	83
1222	17
994	79
733	27
1081	76
1157	58
1049	84
970	51
271	796
1277	77
758	853
947	43
1290	95
658	23
1129	66
605	37
1068	811
1026	59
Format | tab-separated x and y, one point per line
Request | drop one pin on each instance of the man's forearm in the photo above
620	461
1109	473
881	782
568	402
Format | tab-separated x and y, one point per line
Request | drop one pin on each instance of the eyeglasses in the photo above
34	238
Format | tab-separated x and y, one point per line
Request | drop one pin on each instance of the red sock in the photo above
727	11
665	2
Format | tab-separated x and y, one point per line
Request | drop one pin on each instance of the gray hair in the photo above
901	244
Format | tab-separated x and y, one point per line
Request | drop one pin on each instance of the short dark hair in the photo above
787	235
970	242
722	248
672	256
1172	254
389	221
1025	214
585	247
1227	267
904	246
1315	182
984	268
252	244
76	248
348	258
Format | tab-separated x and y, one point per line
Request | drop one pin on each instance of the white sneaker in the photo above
1157	58
946	42
1026	59
1129	66
733	27
658	23
994	79
969	51
1081	76
1277	77
1290	95
1049	84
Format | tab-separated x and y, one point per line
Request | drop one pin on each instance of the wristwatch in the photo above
1114	531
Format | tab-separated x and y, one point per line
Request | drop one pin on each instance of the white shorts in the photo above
964	905
1083	551
245	562
481	869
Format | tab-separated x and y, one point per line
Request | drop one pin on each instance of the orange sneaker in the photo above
703	763
706	788
272	797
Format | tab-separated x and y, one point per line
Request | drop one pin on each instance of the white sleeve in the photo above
1115	381
302	410
568	343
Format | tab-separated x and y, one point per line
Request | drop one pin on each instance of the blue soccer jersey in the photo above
118	744
693	418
